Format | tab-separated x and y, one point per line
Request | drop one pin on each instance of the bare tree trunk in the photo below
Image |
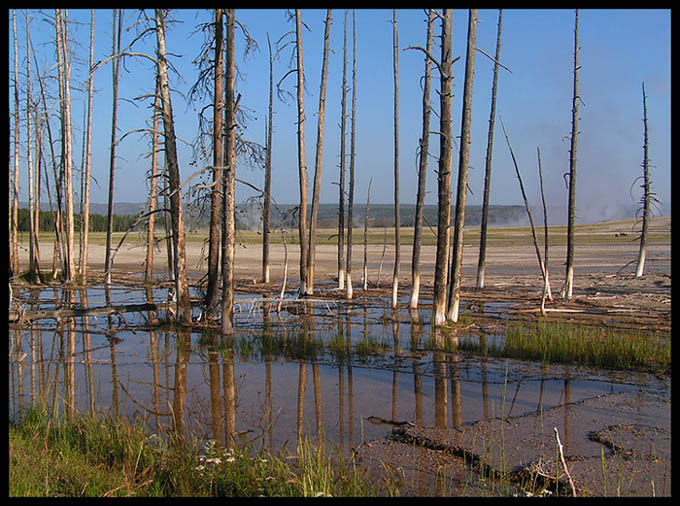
463	162
153	191
444	173
481	264
215	193
112	160
302	165
15	194
85	198
58	222
228	180
397	219
350	201
646	196
341	201
569	278
368	202
319	157
33	255
182	288
546	276
422	168
66	143
266	212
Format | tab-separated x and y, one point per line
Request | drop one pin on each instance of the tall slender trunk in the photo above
444	173
341	200
350	201
397	219
302	165
266	211
153	191
569	278
85	208
216	192
463	162
646	196
422	168
319	157
69	264
115	65
368	203
182	288
481	264
15	192
33	258
228	180
546	277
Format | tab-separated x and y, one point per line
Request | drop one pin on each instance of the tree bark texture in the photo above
214	244
343	136
319	156
182	288
302	165
569	278
422	168
266	211
352	156
444	173
463	162
481	264
646	196
397	219
228	182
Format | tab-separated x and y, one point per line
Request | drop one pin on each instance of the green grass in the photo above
103	456
587	345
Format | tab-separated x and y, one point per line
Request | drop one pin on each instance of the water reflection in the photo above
254	385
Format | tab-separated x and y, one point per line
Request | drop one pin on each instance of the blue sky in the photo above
619	50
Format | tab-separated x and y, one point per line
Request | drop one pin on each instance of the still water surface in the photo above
335	371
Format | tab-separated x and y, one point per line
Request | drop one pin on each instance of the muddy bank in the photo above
616	444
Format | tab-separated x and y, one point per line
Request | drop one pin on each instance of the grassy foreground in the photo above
106	457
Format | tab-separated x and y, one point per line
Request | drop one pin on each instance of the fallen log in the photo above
59	313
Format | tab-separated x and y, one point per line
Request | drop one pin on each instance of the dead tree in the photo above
422	168
215	194
170	141
112	158
85	193
153	191
309	289
463	162
228	179
541	265
569	278
33	254
481	264
341	200
647	195
302	165
368	202
546	277
266	211
352	153
14	227
444	172
397	219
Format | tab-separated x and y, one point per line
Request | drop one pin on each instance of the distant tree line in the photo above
97	223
